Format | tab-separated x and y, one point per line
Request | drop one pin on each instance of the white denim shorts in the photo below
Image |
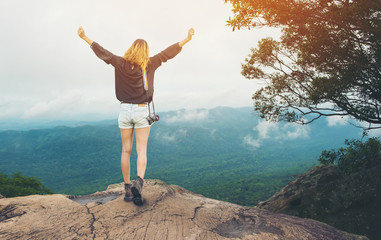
133	116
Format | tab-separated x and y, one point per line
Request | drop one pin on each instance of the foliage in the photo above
19	185
355	156
326	63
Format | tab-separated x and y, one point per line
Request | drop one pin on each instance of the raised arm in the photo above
102	53
81	34
188	38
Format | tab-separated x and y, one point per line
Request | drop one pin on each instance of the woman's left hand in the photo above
81	34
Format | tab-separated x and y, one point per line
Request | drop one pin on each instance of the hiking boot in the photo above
136	190
128	197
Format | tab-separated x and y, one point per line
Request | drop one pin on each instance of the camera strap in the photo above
145	85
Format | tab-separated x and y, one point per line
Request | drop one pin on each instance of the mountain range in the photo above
224	153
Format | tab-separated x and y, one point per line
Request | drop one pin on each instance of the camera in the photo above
152	118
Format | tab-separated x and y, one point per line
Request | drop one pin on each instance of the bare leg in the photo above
127	138
141	135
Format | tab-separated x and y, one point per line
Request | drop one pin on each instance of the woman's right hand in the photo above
81	32
190	33
188	38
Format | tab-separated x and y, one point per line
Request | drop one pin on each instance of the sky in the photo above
48	72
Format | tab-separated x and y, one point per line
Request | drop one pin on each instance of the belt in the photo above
139	104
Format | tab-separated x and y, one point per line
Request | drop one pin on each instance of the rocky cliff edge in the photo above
169	212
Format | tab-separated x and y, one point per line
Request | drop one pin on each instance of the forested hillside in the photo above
223	153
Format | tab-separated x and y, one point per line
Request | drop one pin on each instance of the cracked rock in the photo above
169	212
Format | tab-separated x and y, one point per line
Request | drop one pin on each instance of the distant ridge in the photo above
199	149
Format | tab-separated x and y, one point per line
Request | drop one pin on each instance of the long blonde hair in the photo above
138	53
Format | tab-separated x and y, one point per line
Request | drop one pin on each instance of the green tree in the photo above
19	185
356	156
326	63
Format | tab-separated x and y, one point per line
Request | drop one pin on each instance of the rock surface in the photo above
351	203
169	212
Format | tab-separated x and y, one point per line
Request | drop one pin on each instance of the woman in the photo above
130	91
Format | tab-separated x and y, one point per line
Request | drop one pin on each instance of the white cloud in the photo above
70	104
265	127
281	131
50	107
172	136
295	131
334	121
183	132
6	111
278	131
375	133
254	143
190	115
167	137
337	121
